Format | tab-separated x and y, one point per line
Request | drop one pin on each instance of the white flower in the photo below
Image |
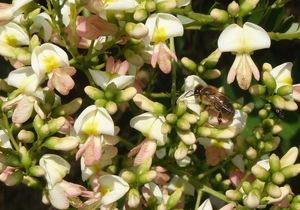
104	79
177	182
94	121
242	41
206	205
14	35
120	5
182	3
163	26
24	79
188	96
150	125
112	188
19	5
282	75
56	168
4	140
46	58
42	24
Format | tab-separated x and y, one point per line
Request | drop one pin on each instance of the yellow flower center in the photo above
50	63
11	40
90	127
217	143
160	35
104	190
109	1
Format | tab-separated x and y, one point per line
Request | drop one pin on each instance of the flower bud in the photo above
276	129
133	198
191	118
183	124
32	182
260	173
289	158
267	67
273	190
24	157
140	15
294	206
181	152
34	42
26	136
257	90
219	15
14	178
37	171
247	187
166	6
248	108
212	60
54	125
211	74
166	128
111	107
6	13
136	31
171	118
180	109
147	177
150	6
69	108
274	163
174	198
263	113
204	131
251	153
10	159
146	104
234	195
189	64
128	176
126	95
278	101
247	6
278	178
64	144
291	171
93	93
101	102
233	8
203	118
269	81
285	90
290	105
252	200
145	166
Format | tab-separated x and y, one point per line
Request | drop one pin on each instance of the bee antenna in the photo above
189	93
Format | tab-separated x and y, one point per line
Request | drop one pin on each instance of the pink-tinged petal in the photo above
97	148
147	151
82	149
135	150
253	67
229	206
244	73
71	189
215	155
23	110
110	64
12	103
61	80
123	69
38	110
296	92
108	152
155	54
57	197
233	70
236	176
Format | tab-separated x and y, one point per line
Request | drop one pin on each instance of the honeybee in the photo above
219	106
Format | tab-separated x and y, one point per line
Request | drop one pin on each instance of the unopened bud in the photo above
204	131
291	171
128	176
294	206
171	118
140	15
233	8
144	167
111	107
219	15
32	182
69	108
55	124
285	90
166	6
93	93
252	200
269	81
251	153
166	128
267	67
260	173
203	118
278	178
147	177
248	108
183	124
64	144
24	157
212	60
26	136
290	157
174	198
34	42
37	171
150	6
126	95
181	152
277	129
257	90
136	31
273	190
6	13
274	163
234	195
191	118
101	102
211	74
247	187
247	6
14	178
133	198
290	105
263	113
180	108
189	64
146	104
278	101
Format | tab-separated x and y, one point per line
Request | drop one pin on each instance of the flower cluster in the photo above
85	88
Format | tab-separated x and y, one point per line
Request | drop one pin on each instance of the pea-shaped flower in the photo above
242	41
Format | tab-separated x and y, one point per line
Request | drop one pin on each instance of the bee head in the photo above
197	90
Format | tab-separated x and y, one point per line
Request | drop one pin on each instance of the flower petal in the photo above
206	205
58	198
231	39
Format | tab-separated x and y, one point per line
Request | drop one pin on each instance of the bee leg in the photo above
219	118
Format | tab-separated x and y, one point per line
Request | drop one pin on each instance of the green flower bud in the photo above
258	185
64	144
296	199
247	187
34	42
274	163
269	81
32	182
140	15
147	177
290	106
146	104
145	166
211	61
119	15
14	179
267	67
294	206
234	195
180	109
37	123
291	171
10	159
171	118
276	129
219	15
260	173
93	92
252	200
278	178
126	95
174	198
211	74
191	118
37	171
101	102
251	153
201	69
248	108
226	184
204	131
5	87
136	31
128	176
181	151
166	128
247	6
150	6
273	190
263	113
189	64
26	136
218	177
257	90
278	101
55	124
233	8
183	124
133	198
285	90
268	123
166	6
203	118
24	157
69	108
111	107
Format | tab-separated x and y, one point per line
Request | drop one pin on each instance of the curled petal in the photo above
61	80
146	151
23	110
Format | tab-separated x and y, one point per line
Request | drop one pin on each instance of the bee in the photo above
219	106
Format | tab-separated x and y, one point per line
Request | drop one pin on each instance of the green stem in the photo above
199	196
199	17
214	193
208	172
280	36
160	95
8	130
174	69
